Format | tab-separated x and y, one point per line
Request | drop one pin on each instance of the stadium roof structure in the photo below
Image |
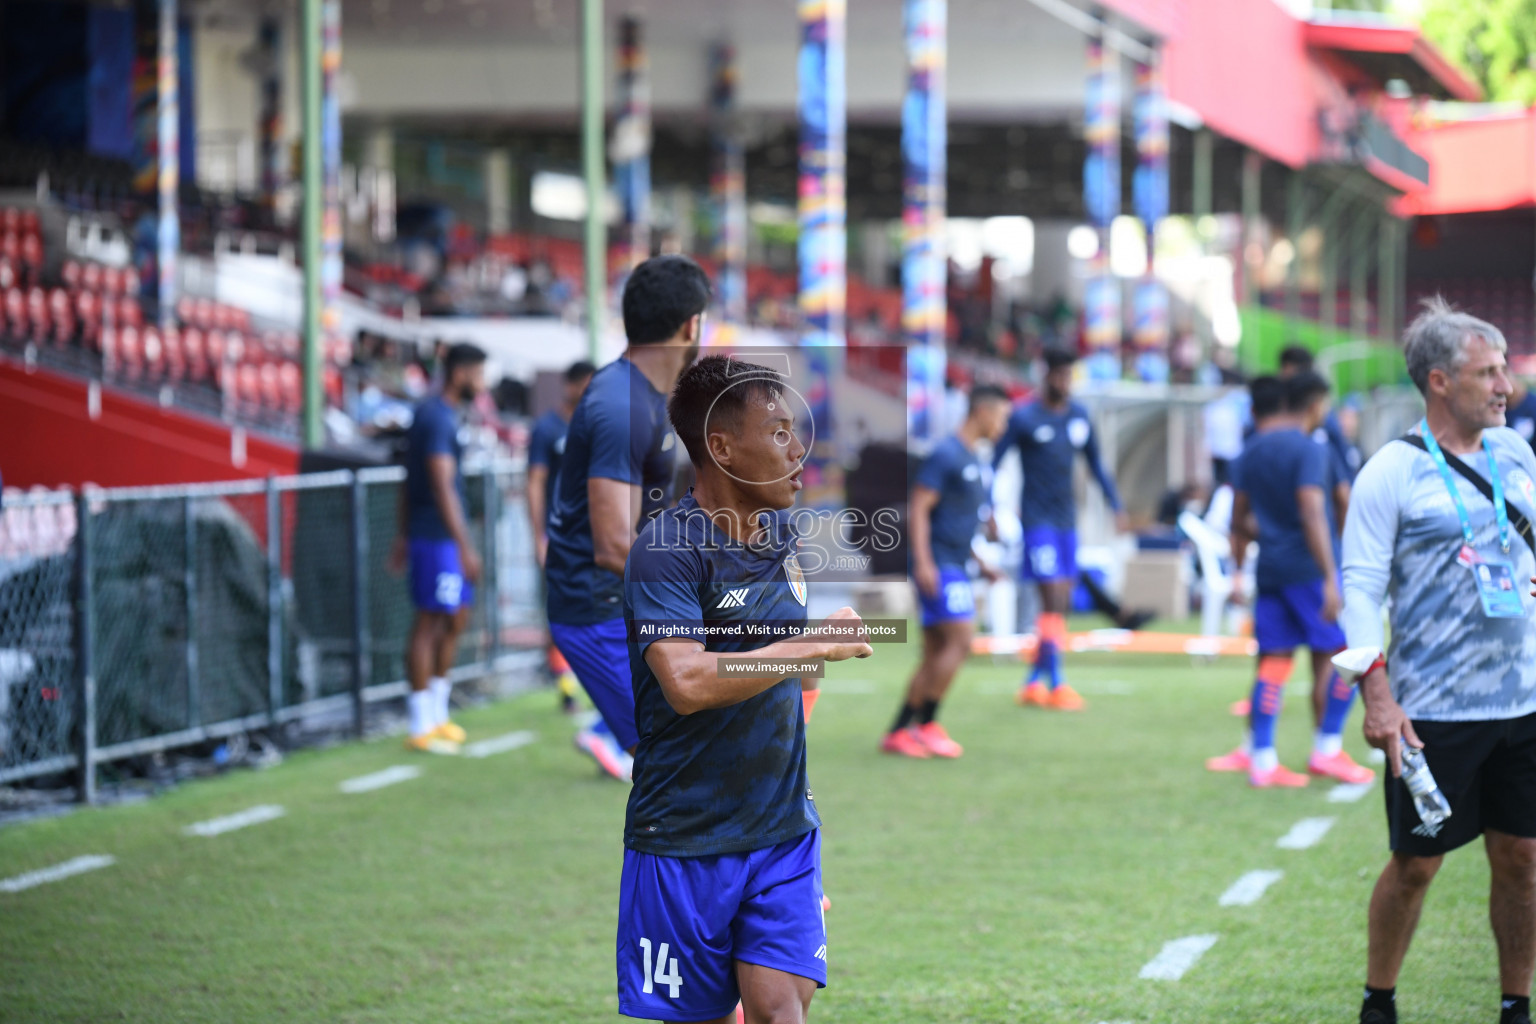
1388	51
1479	166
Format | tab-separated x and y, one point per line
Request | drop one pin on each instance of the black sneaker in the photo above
1519	1018
1375	1016
1135	620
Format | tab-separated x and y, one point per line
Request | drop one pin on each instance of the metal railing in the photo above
137	620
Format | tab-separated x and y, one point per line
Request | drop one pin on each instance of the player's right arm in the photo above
538	476
925	573
1312	507
614	476
441	473
1370	541
1014	435
691	678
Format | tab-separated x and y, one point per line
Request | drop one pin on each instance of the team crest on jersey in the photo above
971	472
668	441
1521	481
1044	433
1077	432
796	579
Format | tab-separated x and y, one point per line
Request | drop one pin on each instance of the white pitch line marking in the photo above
378	780
1246	891
500	744
1305	833
1348	793
251	816
42	876
1176	957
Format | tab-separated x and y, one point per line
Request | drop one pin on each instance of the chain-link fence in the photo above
135	620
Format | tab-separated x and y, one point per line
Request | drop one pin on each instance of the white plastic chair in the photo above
1214	553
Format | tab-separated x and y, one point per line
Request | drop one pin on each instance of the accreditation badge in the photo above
796	579
1496	589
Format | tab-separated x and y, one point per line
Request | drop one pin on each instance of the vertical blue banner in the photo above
168	163
274	162
330	175
728	193
631	148
1101	201
924	138
1149	317
823	112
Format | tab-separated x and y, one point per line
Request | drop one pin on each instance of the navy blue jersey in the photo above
434	431
1048	442
1521	417
1273	466
546	447
618	432
731	779
964	484
1344	458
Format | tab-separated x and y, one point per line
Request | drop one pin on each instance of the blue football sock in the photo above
1264	711
600	727
1341	697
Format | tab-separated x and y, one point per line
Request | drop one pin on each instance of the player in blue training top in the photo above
1521	416
434	535
950	498
620	460
1343	455
1285	479
720	896
1049	433
546	450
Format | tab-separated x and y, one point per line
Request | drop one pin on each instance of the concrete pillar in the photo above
498	191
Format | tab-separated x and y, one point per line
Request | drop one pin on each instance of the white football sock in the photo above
419	703
1265	759
440	688
1326	745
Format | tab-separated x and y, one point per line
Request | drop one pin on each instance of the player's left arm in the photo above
1106	482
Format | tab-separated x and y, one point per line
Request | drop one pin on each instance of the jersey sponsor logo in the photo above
734	598
1077	432
796	579
971	472
1044	433
1521	481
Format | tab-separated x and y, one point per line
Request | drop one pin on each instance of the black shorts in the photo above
1487	771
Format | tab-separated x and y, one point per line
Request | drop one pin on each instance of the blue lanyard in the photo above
1500	509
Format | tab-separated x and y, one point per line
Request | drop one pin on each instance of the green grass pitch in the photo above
1027	882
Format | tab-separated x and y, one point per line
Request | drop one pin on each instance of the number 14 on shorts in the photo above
666	971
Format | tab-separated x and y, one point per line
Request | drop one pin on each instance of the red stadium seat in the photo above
7	274
248	388
271	387
16	312
31	223
88	312
112	280
234	347
131	283
129	312
70	272
90	277
109	355
130	352
154	354
10	220
292	385
184	309
37	314
202	313
32	251
192	345
175	356
216	349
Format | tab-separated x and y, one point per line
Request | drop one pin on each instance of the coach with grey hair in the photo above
1439	523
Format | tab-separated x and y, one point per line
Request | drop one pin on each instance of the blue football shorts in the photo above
954	601
599	655
437	577
684	921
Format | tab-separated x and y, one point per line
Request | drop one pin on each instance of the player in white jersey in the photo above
1439	523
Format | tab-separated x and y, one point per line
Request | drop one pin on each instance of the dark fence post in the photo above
361	660
274	600
85	669
490	582
194	693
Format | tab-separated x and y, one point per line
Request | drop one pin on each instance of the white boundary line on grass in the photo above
251	816
1247	891
1177	957
378	780
1306	833
500	744
42	876
1348	793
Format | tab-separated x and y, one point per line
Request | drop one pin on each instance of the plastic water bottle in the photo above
1431	804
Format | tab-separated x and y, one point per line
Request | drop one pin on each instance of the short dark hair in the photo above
1303	389
662	294
986	393
461	353
579	371
718	388
1267	394
1298	357
1056	358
